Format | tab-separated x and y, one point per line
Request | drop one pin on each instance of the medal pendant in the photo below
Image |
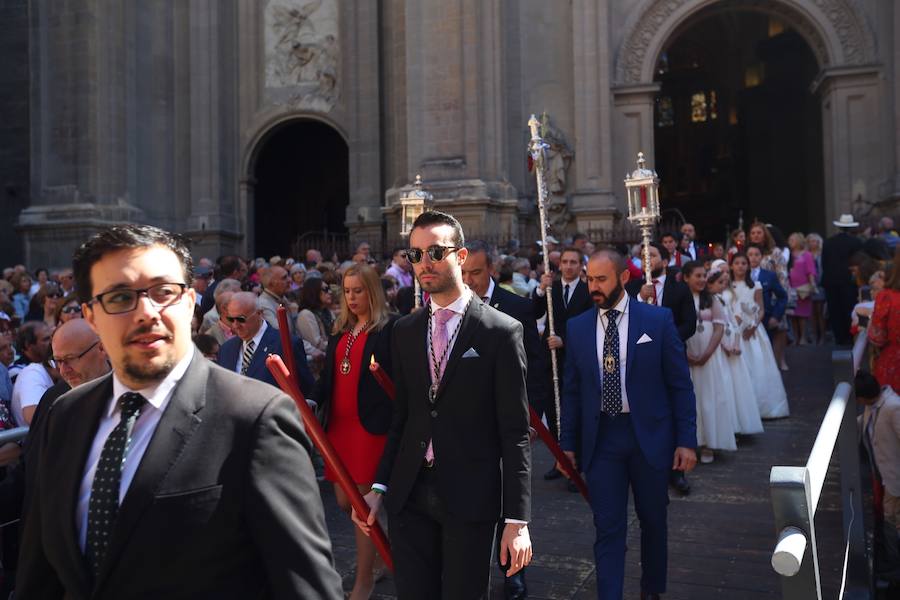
432	394
345	366
609	363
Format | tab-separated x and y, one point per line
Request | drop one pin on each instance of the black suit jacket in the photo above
224	504
373	404
676	297
522	311
836	253
479	420
269	343
579	301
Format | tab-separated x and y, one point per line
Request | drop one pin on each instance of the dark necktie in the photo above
612	385
566	296
655	282
247	357
103	505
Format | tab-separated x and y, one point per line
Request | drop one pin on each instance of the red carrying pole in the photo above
320	440
287	349
557	452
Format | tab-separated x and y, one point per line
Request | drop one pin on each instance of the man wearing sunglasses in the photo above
254	340
461	413
182	479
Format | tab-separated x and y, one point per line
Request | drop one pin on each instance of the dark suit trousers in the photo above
618	464
841	299
437	556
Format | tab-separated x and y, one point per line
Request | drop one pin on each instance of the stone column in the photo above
364	216
455	112
79	177
594	200
633	130
851	136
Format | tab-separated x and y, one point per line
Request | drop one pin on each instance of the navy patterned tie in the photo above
104	503
612	384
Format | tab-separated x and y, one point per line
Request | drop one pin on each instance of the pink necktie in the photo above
439	341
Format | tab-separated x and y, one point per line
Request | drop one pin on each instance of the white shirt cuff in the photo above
539	292
515	521
380	486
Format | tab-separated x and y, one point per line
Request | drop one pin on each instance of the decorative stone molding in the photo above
836	31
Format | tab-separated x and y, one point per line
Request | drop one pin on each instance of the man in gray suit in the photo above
182	479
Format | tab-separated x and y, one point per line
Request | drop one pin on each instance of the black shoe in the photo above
552	474
649	596
680	483
570	485
514	587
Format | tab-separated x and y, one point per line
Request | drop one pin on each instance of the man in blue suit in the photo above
246	352
773	293
628	391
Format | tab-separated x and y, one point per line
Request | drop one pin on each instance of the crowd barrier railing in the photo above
795	493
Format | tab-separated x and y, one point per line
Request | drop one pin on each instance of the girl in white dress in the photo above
709	369
756	350
748	421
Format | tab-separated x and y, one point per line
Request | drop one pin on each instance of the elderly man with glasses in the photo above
254	340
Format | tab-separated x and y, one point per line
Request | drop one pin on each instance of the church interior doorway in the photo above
738	131
302	184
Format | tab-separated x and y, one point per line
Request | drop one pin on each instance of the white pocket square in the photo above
470	353
644	339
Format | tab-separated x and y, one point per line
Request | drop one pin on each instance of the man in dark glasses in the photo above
456	422
254	340
182	479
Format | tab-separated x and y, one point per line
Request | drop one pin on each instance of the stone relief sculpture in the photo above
302	53
559	158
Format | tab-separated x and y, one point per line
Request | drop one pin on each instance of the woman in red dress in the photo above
884	329
356	412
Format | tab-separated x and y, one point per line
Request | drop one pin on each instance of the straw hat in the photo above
846	221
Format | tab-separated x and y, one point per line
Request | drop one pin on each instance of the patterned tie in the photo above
439	341
103	505
612	385
248	356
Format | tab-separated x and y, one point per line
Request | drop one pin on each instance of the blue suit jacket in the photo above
774	295
657	381
270	343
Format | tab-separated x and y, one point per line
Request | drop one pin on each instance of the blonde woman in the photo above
356	412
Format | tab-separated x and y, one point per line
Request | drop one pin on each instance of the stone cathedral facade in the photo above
160	111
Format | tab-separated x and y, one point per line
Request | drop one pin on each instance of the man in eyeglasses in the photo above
254	340
182	479
458	457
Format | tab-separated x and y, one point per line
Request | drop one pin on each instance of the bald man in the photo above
276	282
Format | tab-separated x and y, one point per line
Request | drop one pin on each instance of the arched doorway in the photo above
302	184
737	127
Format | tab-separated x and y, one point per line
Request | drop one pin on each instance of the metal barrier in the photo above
13	435
796	490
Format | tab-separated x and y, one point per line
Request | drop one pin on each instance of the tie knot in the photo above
443	315
611	315
654	281
130	403
251	344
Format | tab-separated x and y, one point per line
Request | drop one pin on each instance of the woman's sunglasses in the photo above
435	253
240	319
72	309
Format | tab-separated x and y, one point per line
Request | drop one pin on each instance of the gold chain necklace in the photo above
351	337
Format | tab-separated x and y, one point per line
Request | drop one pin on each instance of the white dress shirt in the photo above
458	306
158	397
754	274
602	322
490	291
255	340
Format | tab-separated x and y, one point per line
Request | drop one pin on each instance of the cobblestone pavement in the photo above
721	536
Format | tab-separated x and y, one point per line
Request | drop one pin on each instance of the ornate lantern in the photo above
412	204
642	188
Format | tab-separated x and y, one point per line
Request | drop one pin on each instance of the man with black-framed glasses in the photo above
171	477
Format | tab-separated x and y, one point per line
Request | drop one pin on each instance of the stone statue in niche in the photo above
559	158
302	53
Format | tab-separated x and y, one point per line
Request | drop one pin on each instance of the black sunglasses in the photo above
240	319
54	295
435	253
71	309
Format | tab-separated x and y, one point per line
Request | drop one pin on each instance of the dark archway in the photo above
738	131
302	184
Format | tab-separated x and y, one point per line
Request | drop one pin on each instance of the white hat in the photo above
846	221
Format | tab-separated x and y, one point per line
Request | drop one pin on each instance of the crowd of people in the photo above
735	307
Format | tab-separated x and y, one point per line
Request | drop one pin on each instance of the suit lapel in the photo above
80	435
634	332
591	345
463	342
178	423
269	343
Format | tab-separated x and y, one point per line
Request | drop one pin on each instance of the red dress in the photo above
359	449
884	332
